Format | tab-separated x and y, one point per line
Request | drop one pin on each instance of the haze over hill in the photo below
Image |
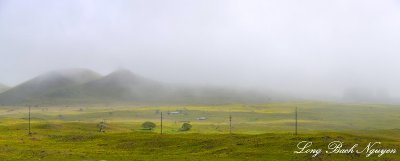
3	88
77	86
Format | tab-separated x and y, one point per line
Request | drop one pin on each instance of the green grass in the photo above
261	132
69	142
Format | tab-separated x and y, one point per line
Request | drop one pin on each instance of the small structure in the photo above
202	118
174	113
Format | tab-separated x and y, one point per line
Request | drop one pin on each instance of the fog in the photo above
312	48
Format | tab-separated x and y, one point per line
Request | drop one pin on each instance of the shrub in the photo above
148	125
102	125
185	127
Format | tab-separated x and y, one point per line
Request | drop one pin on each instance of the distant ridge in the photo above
82	86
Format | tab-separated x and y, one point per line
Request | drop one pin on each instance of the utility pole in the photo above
295	133
230	124
29	119
161	118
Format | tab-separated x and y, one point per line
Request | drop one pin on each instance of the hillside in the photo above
33	90
121	86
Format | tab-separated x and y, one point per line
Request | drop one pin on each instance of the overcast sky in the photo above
311	46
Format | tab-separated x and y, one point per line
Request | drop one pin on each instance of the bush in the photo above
148	125
185	127
102	125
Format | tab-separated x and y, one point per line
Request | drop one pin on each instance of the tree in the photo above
185	127
148	125
102	125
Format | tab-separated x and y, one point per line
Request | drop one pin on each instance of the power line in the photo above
29	120
230	124
296	122
161	119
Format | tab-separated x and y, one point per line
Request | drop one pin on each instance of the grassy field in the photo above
260	132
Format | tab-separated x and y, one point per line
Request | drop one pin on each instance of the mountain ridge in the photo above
83	86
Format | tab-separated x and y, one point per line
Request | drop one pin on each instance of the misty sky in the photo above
315	47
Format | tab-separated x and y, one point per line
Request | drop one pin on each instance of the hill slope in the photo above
32	90
121	86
